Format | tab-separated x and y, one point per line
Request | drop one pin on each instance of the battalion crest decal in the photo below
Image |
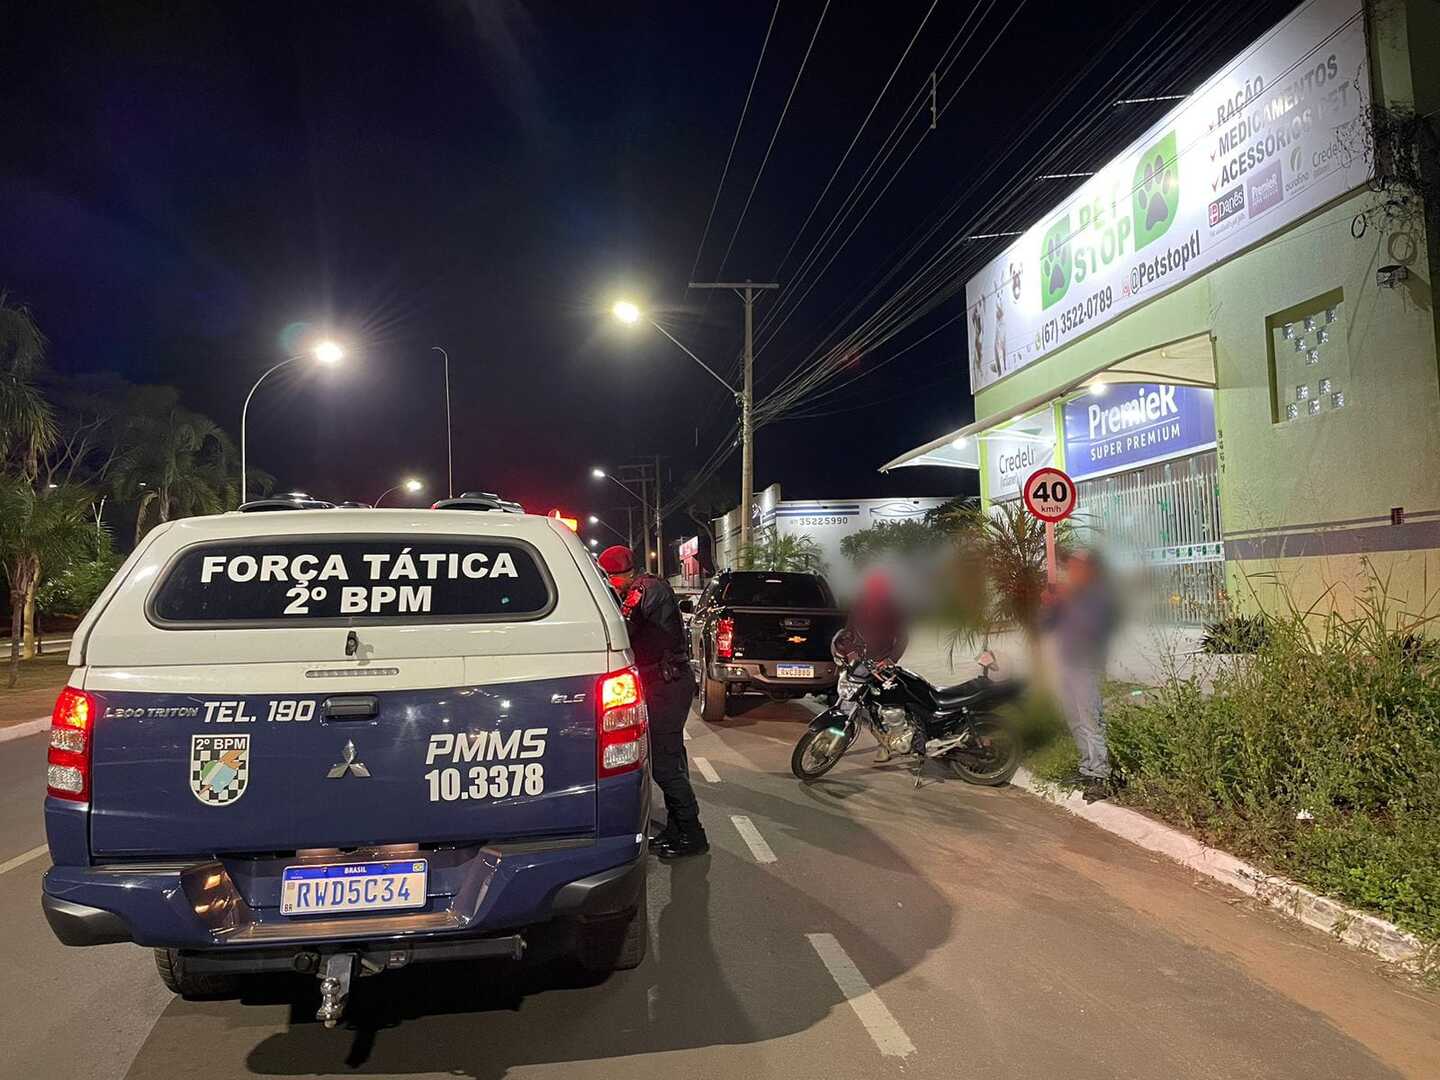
219	768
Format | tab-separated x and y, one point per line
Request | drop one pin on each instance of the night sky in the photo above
185	187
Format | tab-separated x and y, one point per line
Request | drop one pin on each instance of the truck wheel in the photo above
713	699
190	985
611	946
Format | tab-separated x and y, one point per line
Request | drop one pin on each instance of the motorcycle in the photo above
956	725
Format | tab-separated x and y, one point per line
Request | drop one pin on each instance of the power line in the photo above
765	160
700	248
858	132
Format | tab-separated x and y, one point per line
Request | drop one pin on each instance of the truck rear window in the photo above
275	582
776	590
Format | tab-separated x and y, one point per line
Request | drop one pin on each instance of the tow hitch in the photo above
337	970
335	987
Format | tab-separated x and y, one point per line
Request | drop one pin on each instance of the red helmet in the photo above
617	559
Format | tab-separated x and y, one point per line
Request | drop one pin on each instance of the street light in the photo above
449	451
630	314
326	352
598	473
411	485
593	542
594	520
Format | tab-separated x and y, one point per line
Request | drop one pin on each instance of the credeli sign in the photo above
1014	451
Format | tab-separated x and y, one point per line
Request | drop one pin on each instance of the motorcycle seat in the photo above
949	697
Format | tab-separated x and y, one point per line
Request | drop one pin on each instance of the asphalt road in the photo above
853	929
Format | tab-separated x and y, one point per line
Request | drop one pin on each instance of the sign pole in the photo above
1050	552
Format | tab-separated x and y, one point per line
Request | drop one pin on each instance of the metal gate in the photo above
1162	524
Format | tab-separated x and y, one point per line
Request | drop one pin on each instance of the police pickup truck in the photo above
337	741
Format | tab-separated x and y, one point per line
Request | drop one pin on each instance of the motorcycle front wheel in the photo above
818	751
991	756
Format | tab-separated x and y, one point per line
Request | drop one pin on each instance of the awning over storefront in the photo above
1188	362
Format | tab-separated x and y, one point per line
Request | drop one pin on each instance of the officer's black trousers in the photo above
669	705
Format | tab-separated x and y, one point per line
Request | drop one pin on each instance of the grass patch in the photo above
45	672
1318	758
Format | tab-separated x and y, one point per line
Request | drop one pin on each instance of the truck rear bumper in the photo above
201	907
761	675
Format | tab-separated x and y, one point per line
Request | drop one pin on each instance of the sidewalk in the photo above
34	695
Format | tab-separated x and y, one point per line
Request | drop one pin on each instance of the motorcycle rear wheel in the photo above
818	752
992	757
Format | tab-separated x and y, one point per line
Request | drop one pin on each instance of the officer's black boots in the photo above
682	844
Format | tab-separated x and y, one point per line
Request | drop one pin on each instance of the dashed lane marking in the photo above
21	860
706	770
884	1029
753	840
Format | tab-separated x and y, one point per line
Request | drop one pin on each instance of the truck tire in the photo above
614	946
190	985
713	699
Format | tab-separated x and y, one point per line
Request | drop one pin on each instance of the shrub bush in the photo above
1340	721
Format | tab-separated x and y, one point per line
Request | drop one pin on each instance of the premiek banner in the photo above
1267	140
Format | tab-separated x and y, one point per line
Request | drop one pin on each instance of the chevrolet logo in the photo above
797	639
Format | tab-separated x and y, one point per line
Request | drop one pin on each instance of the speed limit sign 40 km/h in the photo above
1049	495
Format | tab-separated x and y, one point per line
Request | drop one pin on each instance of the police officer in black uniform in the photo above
657	635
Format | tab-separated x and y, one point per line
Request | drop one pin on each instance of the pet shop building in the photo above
1228	335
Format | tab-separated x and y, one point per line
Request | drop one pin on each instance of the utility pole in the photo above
659	526
746	290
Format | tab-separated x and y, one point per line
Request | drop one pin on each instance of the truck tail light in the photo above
725	638
67	775
623	723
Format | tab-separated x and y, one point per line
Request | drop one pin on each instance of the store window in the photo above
1309	360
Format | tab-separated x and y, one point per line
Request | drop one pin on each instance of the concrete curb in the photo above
21	730
1368	932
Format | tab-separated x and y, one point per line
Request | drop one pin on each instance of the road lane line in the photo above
884	1029
706	770
753	840
25	730
21	860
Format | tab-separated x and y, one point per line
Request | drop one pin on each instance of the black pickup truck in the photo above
758	630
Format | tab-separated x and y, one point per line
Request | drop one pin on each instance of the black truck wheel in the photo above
713	699
190	985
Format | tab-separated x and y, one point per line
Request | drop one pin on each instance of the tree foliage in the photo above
41	532
772	550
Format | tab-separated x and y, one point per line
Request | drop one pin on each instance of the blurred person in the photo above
1079	618
875	628
657	635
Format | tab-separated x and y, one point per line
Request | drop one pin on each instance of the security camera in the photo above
1387	277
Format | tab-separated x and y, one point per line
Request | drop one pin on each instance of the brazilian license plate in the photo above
365	886
795	671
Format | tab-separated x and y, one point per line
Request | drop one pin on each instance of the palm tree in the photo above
777	552
27	423
40	533
174	462
999	571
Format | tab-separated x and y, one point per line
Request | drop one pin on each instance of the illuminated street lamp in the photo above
593	542
595	520
328	353
411	485
626	312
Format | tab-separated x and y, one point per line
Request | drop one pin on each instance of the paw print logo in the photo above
1055	262
1157	191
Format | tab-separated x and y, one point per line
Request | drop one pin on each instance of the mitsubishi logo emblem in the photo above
347	764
